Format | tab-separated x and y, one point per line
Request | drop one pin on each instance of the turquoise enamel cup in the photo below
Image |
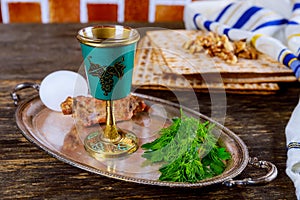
108	53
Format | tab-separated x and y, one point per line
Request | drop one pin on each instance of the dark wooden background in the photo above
28	52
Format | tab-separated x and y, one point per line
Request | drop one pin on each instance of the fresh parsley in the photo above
188	150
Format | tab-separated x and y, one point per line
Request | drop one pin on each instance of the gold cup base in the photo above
99	149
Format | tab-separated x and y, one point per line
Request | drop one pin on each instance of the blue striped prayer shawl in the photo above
241	20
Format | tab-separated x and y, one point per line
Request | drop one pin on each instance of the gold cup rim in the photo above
107	35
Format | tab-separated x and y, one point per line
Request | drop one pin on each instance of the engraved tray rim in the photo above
234	171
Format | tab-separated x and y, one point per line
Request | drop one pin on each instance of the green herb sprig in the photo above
188	150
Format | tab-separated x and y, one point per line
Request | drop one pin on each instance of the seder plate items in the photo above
58	135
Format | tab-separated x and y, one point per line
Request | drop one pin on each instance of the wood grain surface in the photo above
28	52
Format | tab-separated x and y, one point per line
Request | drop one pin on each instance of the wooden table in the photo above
29	52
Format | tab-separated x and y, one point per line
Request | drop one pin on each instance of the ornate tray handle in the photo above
271	174
15	97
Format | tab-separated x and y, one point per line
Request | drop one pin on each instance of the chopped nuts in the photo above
220	46
239	46
67	106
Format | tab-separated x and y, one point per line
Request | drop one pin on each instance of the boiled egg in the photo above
59	85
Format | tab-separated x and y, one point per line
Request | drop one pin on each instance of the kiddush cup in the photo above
108	53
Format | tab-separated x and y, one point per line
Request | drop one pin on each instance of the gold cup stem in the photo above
112	142
111	133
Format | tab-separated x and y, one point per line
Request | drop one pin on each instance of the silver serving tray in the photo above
58	135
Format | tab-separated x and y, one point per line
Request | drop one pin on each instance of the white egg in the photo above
57	86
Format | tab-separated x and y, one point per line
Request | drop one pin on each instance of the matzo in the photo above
157	58
180	61
148	74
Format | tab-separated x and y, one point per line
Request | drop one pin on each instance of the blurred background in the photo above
66	11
